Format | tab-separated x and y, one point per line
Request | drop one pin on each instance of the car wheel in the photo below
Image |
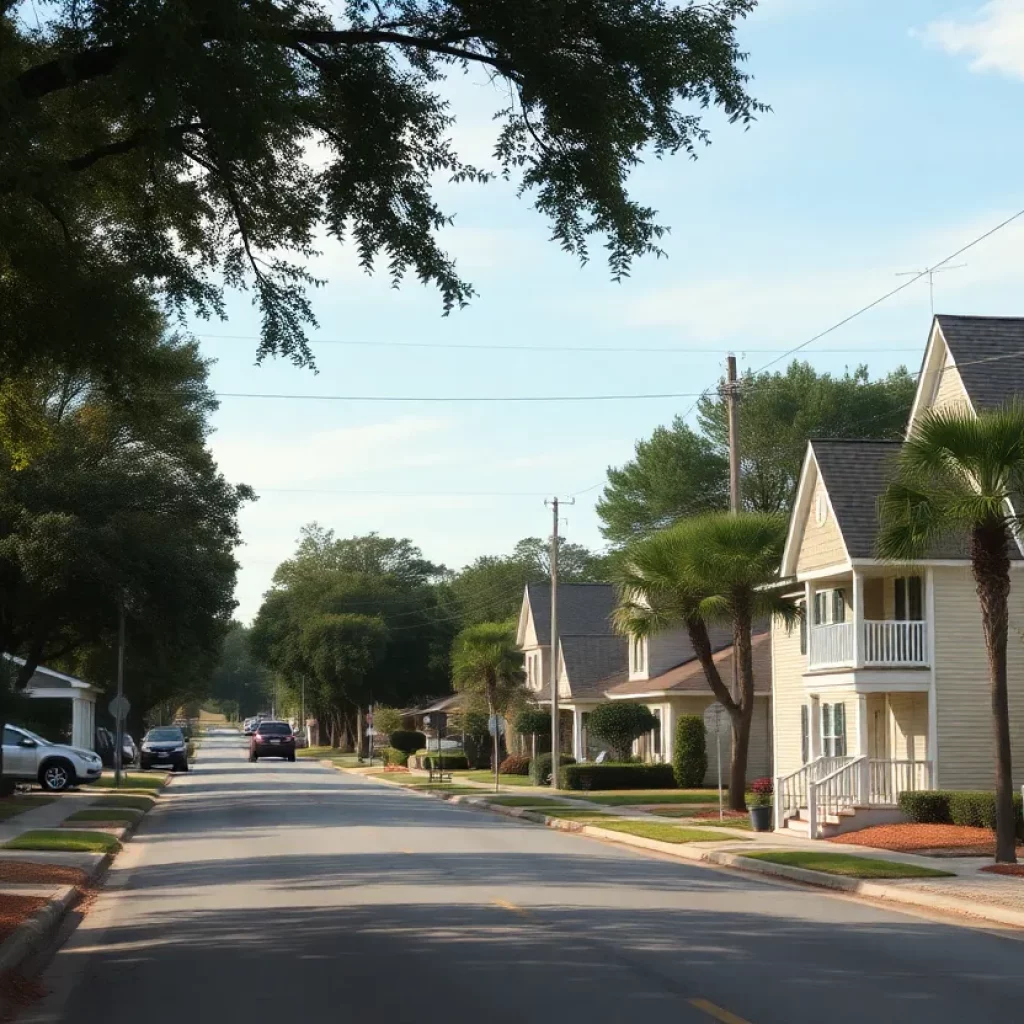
291	757
184	767
252	759
57	775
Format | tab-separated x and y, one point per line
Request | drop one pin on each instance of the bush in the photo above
393	756
515	764
618	724
620	776
450	762
531	721
763	790
408	740
540	769
690	761
957	807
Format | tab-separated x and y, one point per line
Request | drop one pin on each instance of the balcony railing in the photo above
891	643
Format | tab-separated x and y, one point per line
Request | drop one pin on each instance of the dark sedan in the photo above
272	739
164	747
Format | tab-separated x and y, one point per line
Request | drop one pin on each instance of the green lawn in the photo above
12	805
118	814
132	780
326	752
503	780
683	816
64	840
669	833
648	796
573	813
540	802
130	800
848	864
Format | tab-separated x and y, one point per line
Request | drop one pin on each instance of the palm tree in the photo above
486	663
957	475
712	568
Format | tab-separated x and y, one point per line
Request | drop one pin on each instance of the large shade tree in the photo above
709	569
204	145
962	475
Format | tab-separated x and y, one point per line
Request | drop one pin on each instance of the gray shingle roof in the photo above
583	609
984	349
591	660
855	474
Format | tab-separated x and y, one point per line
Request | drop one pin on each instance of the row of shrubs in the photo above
957	807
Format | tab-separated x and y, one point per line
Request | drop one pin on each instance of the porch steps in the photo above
847	820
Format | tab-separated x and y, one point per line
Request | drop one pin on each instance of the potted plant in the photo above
761	806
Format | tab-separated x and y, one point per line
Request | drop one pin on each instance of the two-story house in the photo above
884	687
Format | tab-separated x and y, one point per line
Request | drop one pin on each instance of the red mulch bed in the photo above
726	814
1013	870
15	909
26	872
395	768
937	840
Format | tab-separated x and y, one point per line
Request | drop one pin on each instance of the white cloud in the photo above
268	461
992	38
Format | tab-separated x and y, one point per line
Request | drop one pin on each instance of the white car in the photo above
57	767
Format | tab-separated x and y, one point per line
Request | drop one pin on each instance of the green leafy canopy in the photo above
203	145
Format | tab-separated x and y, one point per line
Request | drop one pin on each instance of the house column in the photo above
932	753
863	750
858	619
80	723
577	734
814	728
809	591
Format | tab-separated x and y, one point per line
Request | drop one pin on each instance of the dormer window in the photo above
639	655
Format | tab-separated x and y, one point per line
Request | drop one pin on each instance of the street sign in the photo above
496	725
716	719
371	731
369	718
119	708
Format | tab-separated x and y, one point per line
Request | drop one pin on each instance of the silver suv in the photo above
57	767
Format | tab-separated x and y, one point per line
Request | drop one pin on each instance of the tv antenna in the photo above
931	272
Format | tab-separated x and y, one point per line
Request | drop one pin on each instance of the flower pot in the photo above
761	818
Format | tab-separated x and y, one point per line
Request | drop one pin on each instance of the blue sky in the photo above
895	137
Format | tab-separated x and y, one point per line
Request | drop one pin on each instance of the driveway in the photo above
286	892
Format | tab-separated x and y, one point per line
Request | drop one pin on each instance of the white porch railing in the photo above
890	778
890	643
895	643
791	791
838	791
831	645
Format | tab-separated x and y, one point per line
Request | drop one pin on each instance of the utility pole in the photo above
555	734
732	400
119	724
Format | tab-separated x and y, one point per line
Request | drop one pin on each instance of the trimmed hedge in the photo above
451	762
408	740
619	776
515	764
540	768
393	756
690	760
957	807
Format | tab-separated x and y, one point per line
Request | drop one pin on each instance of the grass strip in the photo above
64	841
539	802
503	780
848	865
669	833
15	805
573	813
118	814
132	781
133	802
641	797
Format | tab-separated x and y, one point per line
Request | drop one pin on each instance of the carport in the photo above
46	683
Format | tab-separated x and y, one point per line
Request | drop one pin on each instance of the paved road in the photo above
289	892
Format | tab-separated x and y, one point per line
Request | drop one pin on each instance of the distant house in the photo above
74	696
885	687
596	664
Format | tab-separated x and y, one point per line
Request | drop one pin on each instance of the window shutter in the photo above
900	604
805	733
915	598
803	634
838	606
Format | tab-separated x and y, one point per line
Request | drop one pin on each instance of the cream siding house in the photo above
884	688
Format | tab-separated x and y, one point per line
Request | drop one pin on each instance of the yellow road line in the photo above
717	1012
510	906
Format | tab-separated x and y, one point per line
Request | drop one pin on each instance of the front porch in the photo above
862	752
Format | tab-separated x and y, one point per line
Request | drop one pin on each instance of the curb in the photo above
34	933
737	862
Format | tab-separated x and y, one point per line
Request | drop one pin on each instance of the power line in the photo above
894	291
456	398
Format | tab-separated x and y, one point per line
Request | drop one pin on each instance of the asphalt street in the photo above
291	892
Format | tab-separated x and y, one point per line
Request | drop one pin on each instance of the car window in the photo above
275	729
164	735
11	737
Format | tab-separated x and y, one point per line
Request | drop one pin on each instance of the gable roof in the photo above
689	677
592	660
984	350
584	609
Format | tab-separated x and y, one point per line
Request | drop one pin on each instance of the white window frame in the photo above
833	730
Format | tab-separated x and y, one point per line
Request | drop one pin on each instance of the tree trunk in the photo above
991	565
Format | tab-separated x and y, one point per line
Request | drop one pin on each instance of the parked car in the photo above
56	766
130	752
164	746
300	739
272	739
249	725
104	746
